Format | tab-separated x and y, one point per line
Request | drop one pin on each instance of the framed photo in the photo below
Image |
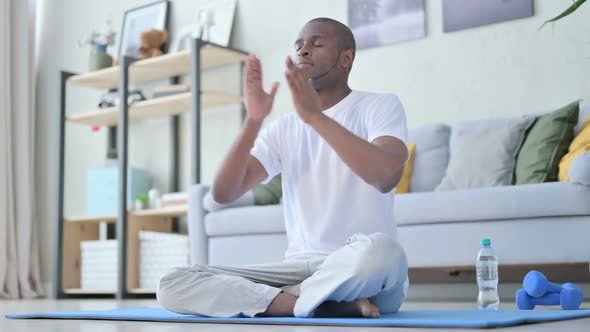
381	22
215	19
212	22
464	14
140	19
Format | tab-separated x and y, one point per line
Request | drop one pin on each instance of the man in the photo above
340	154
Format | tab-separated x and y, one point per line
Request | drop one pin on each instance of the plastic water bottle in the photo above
487	276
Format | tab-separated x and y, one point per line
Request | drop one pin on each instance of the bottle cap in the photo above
485	242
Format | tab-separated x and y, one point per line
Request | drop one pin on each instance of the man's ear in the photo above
347	58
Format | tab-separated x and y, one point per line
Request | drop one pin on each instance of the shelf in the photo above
142	291
152	108
162	67
107	291
88	291
168	211
93	219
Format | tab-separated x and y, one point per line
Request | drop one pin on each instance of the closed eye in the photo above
299	46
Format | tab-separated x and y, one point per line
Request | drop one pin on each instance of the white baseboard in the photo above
430	292
467	292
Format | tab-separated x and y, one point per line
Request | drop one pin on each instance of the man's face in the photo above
318	53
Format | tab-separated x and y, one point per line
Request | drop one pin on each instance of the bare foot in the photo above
294	290
357	308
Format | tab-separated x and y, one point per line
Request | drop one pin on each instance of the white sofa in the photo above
529	224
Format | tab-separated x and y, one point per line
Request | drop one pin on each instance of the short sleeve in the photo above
267	149
387	118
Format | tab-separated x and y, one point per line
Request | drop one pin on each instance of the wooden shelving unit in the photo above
74	229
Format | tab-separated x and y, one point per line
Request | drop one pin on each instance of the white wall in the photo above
504	69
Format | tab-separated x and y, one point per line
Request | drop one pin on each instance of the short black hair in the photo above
345	36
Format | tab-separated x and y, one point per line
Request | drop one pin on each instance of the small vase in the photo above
99	59
138	205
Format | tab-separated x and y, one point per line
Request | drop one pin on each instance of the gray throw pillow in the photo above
431	157
484	155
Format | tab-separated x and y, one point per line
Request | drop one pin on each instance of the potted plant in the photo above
575	5
141	201
99	39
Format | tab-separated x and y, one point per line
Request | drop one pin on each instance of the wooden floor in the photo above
22	306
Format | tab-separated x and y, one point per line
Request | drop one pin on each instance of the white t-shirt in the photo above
324	201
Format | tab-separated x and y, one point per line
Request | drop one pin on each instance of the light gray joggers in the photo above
369	266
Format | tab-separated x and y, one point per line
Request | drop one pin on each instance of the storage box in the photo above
98	264
102	196
158	254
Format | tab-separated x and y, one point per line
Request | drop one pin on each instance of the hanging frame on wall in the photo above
464	14
212	22
377	23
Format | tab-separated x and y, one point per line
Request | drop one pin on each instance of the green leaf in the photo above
571	9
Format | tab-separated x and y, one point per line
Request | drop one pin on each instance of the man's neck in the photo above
331	97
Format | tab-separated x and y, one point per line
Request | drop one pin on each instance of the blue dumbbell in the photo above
536	284
570	298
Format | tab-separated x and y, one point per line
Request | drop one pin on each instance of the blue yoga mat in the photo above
415	318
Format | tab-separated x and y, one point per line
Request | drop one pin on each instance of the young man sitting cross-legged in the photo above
340	154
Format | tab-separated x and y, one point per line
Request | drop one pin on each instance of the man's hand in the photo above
305	98
258	102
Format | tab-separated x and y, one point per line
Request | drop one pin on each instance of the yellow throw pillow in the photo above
580	144
403	187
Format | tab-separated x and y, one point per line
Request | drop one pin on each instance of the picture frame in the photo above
461	14
137	20
212	23
376	23
215	19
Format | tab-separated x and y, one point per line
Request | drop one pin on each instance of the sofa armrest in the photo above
579	172
198	240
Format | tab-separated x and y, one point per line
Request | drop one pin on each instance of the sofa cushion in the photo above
484	154
266	219
494	203
546	143
579	171
431	157
518	241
